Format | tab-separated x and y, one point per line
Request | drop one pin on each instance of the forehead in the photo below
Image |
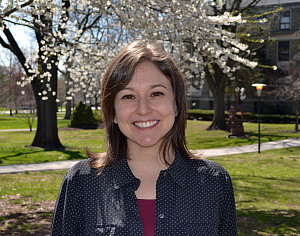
148	73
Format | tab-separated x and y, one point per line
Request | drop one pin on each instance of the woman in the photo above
147	183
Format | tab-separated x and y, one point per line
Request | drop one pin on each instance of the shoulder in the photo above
82	172
81	168
207	167
207	174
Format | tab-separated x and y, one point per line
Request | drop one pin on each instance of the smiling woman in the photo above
122	84
148	183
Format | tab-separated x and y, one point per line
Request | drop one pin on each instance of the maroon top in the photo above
147	213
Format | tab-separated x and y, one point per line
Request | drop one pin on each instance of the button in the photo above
161	216
165	173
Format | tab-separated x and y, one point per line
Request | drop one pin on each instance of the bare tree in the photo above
289	88
3	85
27	114
14	75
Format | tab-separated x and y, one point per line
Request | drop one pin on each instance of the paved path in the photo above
13	130
61	165
285	143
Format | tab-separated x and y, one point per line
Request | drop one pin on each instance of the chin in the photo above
148	143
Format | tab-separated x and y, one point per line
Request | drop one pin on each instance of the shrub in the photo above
83	116
90	116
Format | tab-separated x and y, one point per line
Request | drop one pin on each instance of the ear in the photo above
115	120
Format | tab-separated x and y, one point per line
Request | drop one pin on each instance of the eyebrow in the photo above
151	86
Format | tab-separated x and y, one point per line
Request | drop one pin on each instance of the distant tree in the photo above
256	34
27	111
4	83
15	75
14	92
289	88
61	92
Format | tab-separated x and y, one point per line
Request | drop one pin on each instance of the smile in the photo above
145	124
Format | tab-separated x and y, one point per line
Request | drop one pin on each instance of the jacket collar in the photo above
122	176
178	170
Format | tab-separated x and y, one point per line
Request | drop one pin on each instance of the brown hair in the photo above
117	76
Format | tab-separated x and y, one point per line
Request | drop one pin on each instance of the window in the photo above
283	51
284	21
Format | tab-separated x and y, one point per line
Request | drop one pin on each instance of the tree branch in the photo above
4	44
15	9
250	5
14	47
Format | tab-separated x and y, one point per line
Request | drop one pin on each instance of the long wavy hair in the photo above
118	75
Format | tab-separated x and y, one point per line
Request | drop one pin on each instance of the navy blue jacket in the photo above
193	197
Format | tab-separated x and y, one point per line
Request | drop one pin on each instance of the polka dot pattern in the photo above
193	198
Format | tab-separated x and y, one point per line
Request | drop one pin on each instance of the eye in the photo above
128	96
157	94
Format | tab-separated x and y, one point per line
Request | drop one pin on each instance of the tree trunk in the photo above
216	82
46	135
68	104
68	79
297	110
68	110
219	121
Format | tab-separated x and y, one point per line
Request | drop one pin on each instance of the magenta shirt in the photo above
147	213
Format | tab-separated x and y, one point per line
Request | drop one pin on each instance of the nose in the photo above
143	106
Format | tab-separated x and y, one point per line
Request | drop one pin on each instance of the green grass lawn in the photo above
200	138
266	185
13	122
14	151
267	191
13	148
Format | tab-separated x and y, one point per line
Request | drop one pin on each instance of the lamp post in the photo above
259	88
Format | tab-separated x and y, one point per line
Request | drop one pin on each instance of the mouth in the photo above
145	124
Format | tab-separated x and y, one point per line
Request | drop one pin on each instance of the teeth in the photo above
145	124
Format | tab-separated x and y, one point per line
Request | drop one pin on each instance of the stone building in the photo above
284	31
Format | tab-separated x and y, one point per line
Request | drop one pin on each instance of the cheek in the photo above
121	113
175	109
116	117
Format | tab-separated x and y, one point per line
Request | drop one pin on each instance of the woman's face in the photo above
145	109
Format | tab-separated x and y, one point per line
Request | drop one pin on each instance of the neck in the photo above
147	158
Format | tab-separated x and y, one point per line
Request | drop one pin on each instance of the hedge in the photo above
207	115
